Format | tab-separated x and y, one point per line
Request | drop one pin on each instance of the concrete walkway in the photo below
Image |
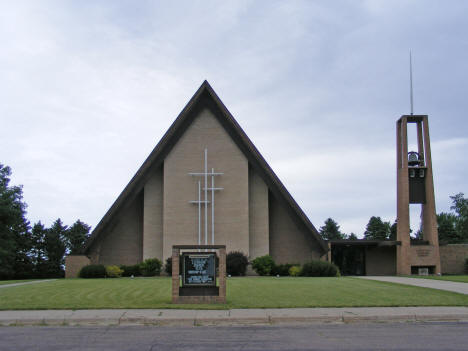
173	317
26	283
461	288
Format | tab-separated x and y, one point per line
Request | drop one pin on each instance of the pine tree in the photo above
331	230
376	229
13	229
54	247
76	237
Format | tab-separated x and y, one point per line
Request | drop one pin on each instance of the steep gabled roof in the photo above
205	97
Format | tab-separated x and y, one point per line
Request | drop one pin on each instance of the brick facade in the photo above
452	258
73	265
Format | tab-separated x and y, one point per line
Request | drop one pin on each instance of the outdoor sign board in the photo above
198	269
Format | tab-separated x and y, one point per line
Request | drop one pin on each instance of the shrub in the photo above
319	269
113	272
295	271
263	265
128	271
281	269
236	263
93	271
150	267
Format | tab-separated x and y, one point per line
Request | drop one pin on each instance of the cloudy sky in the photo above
87	88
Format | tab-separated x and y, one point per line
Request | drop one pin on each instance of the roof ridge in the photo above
172	135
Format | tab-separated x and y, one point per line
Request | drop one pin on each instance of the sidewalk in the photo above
173	317
461	288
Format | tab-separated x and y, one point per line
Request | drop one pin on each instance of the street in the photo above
375	336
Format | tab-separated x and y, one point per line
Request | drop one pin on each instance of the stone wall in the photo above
452	258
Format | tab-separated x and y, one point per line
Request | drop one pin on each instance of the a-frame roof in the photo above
205	97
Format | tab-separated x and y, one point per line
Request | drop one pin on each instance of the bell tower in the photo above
415	186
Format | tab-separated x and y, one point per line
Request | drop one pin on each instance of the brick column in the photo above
175	274
222	275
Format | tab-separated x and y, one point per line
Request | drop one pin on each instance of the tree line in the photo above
37	251
452	226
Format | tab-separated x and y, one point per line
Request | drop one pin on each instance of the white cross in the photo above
199	202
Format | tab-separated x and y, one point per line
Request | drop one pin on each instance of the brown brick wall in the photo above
153	216
289	241
381	261
452	258
122	242
73	264
180	218
259	243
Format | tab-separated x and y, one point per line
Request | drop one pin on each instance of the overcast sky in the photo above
87	89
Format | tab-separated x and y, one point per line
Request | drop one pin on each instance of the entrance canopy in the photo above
364	257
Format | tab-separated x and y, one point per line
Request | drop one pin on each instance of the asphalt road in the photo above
386	336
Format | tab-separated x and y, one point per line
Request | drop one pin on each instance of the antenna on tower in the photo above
411	81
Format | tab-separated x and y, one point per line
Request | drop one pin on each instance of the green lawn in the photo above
5	282
452	278
245	292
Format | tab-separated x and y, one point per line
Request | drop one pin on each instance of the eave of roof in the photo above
205	97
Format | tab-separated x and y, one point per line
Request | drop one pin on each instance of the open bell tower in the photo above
415	186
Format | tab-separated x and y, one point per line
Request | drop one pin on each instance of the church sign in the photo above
198	269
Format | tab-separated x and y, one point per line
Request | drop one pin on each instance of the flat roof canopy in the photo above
364	242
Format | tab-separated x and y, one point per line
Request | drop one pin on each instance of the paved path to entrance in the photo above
461	288
33	282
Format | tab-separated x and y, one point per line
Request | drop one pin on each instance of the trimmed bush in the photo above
113	272
319	269
295	271
93	271
128	271
263	265
236	263
281	269
150	267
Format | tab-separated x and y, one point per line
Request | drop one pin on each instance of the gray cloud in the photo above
88	89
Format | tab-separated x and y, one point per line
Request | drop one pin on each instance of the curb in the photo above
266	317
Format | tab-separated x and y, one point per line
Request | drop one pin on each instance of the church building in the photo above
204	183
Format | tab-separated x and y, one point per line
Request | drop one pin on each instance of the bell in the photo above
413	158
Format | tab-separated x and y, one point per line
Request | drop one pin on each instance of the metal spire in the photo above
411	81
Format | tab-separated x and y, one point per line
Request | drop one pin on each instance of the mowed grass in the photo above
245	292
452	278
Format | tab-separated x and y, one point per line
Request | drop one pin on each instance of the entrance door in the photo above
351	260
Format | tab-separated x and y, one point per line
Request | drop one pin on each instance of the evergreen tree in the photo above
376	229
38	250
13	228
352	236
331	230
76	237
54	247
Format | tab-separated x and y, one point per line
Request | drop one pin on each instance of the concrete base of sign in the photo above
208	295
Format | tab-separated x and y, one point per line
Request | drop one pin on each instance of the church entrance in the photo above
350	259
